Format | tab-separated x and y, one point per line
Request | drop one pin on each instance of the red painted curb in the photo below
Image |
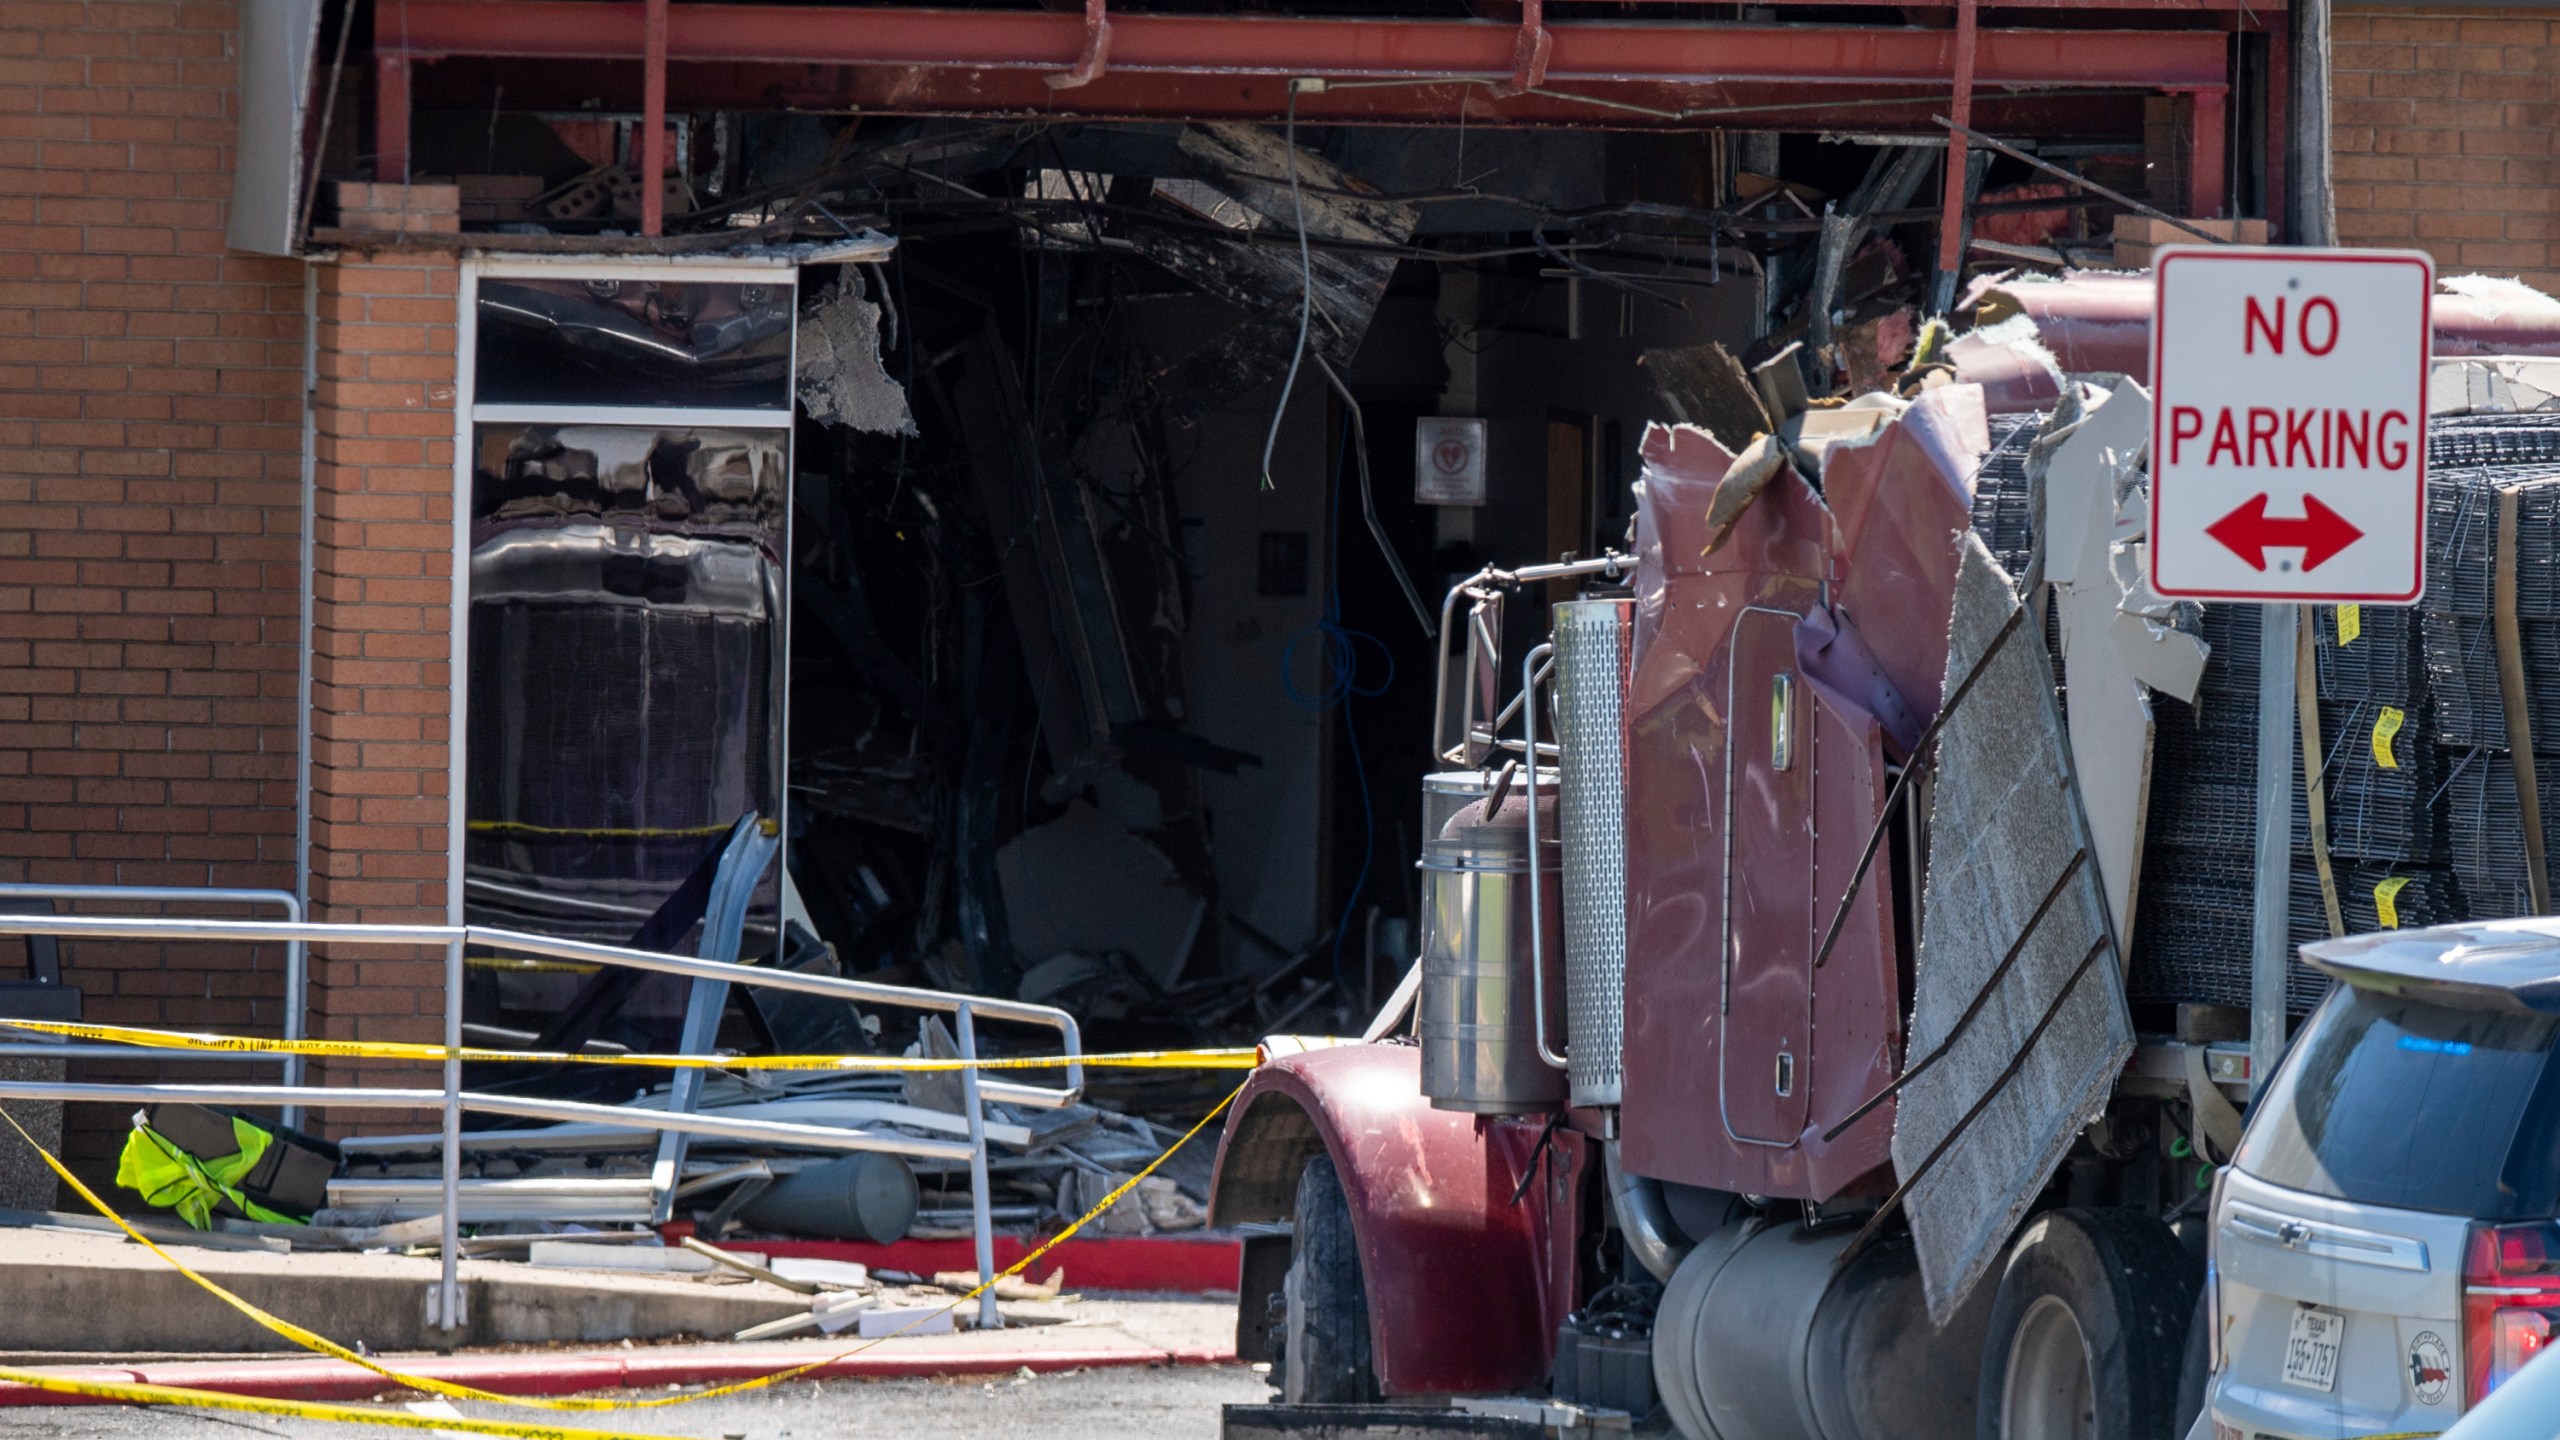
1194	1262
576	1372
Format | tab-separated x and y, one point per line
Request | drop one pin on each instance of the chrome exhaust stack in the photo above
1490	1012
1594	646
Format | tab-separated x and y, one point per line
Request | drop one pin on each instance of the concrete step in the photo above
71	1291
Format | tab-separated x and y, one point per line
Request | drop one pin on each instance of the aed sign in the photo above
2289	424
1448	461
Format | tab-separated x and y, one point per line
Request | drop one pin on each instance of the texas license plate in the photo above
2311	1352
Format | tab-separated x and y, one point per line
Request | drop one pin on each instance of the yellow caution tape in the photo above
2350	623
1227	1058
321	1344
2386	725
176	1395
2386	901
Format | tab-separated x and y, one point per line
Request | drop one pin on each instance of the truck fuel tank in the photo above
1765	1334
1477	1014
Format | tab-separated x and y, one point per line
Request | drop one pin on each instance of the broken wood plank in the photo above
1704	385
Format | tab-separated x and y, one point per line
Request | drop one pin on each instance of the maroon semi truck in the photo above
1791	1086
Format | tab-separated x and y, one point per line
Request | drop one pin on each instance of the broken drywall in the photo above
2110	720
1082	884
842	381
2518	385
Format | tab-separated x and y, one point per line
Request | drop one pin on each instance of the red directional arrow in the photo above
2249	534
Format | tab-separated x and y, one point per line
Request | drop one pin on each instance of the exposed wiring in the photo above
1339	684
1306	316
1369	502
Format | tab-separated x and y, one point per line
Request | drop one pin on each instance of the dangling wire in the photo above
1306	289
1338	684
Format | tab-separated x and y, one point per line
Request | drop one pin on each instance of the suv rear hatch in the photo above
2380	1241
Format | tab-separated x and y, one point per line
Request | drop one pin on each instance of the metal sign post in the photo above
2288	465
2271	926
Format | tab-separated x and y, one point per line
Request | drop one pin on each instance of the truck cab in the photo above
1767	1071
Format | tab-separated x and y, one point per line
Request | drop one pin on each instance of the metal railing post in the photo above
449	1278
743	861
981	1221
296	969
296	981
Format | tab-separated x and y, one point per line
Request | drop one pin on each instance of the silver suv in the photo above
2384	1246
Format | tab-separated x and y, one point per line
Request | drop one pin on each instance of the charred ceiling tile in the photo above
1237	178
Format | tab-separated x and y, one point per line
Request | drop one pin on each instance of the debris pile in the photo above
2417	821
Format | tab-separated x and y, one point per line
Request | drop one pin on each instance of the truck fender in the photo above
1456	1272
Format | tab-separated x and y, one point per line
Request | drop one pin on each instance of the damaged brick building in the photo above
978	444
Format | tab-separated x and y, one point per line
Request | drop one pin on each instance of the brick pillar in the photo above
381	693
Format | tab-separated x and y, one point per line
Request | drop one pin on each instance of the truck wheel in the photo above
1322	1344
2088	1330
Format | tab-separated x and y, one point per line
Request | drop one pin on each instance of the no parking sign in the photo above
2288	445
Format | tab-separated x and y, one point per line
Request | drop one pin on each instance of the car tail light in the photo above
2510	1299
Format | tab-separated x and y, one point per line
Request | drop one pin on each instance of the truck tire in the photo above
1322	1353
2088	1330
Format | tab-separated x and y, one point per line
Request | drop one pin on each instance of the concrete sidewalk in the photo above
76	1291
99	1307
1102	1333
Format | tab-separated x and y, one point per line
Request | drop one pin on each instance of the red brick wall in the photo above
150	450
382	674
2443	129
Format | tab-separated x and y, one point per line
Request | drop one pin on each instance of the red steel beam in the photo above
1951	207
2206	163
2274	143
391	118
1581	54
653	119
1019	94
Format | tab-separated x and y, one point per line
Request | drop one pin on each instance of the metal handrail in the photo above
295	975
575	1112
1488	585
453	1100
1530	678
118	927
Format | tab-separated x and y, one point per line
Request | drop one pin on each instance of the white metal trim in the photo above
458	670
708	270
782	632
470	414
656	416
297	977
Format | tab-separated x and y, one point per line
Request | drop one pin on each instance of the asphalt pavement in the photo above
1174	1403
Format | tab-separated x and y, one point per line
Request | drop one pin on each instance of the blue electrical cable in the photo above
1339	686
